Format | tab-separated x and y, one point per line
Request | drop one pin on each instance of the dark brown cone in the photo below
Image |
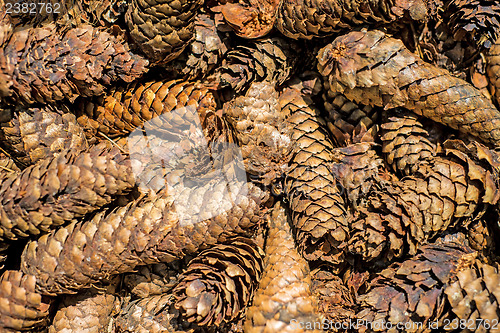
405	143
318	209
58	190
162	28
396	77
284	292
481	237
400	217
34	134
261	130
151	280
47	65
318	18
252	18
123	109
346	120
206	50
271	59
22	307
88	312
218	284
493	70
475	20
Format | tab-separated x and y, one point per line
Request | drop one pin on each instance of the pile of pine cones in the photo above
249	166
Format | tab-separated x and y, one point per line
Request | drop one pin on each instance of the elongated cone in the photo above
207	49
123	109
475	20
252	18
262	132
400	217
88	312
493	70
318	18
22	307
414	291
284	292
396	77
162	28
318	209
33	134
272	59
346	120
151	280
218	284
47	65
58	190
405	143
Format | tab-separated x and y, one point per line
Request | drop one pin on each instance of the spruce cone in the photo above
207	48
60	189
33	134
481	238
88	312
396	77
262	132
253	19
124	108
162	28
318	209
151	280
271	59
218	284
405	144
493	70
318	18
47	65
404	215
22	307
284	292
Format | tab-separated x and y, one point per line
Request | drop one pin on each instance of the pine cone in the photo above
162	28
88	312
47	65
480	235
318	18
207	48
253	19
124	108
261	130
270	59
60	189
404	215
34	134
405	143
493	70
284	292
7	165
476	20
396	77
151	280
318	209
218	284
22	307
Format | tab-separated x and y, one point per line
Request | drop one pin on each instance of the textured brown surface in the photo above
401	216
60	189
318	209
397	77
22	308
252	18
284	293
33	134
263	135
151	280
493	70
46	65
319	18
218	284
162	28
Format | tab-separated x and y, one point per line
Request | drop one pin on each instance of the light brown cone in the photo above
219	283
396	77
22	308
48	65
58	190
151	280
162	28
284	292
318	210
33	134
252	18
